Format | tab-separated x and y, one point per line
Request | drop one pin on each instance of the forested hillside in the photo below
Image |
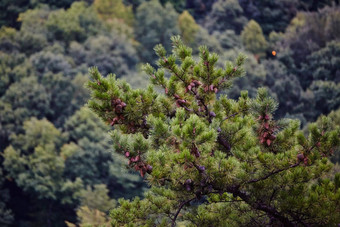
55	165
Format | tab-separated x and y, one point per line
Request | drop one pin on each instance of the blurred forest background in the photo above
55	163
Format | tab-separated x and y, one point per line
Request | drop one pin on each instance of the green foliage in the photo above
255	76
112	53
326	95
317	27
82	21
33	161
10	10
113	9
253	39
53	167
228	40
276	15
88	156
45	53
210	159
6	215
314	5
10	73
90	218
155	29
179	5
187	26
271	15
334	117
226	14
323	64
97	198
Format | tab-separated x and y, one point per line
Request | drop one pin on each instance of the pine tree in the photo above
253	39
211	160
335	117
111	9
225	15
188	27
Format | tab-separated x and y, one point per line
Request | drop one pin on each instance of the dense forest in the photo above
55	167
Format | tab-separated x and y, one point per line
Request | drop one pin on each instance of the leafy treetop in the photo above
211	160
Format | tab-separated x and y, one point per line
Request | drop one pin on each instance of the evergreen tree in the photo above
225	14
113	9
88	157
95	204
271	15
323	64
76	23
253	39
6	215
158	28
335	118
35	168
112	53
210	160
187	26
326	96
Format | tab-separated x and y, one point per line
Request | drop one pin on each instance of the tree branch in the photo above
223	142
258	205
233	115
273	173
173	224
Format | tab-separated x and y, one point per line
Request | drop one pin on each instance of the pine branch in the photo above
223	142
258	205
273	173
179	210
233	115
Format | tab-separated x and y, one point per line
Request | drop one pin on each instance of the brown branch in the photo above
233	115
179	210
258	205
273	173
223	142
280	170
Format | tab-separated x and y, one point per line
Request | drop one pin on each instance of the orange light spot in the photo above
274	53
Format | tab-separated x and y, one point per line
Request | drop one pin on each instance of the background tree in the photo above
89	157
94	206
81	23
271	15
313	29
46	48
111	9
36	167
335	119
187	27
226	14
326	96
253	39
112	53
323	64
150	31
6	215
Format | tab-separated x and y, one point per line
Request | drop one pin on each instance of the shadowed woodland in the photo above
60	165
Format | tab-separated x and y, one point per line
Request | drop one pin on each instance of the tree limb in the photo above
173	224
258	205
273	173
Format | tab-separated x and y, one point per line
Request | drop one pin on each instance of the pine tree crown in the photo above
211	160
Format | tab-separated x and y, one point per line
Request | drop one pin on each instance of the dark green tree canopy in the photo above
156	29
47	46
